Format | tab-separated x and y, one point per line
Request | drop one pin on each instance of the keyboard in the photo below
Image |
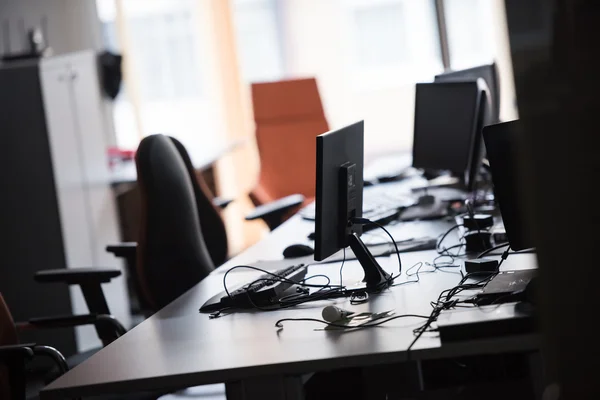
266	292
378	205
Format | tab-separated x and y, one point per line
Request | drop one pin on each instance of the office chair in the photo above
288	116
14	356
182	236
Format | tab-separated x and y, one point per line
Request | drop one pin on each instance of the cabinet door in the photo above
70	184
92	135
68	166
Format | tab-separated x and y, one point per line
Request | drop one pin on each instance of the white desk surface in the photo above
179	347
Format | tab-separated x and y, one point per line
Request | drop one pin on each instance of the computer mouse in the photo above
297	250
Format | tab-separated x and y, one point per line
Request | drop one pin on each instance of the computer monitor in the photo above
501	144
449	117
489	73
339	195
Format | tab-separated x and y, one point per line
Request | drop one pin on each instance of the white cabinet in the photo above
78	143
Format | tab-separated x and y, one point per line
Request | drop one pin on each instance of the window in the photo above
470	32
165	50
258	39
394	42
381	35
162	45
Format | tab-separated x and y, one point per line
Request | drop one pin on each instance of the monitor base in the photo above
375	277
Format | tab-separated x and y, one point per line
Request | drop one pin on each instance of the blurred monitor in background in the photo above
489	73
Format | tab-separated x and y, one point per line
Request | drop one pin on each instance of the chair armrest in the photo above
123	250
77	276
70	321
280	206
29	350
221	203
24	350
16	356
272	213
108	322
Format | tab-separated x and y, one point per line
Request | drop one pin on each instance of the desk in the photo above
178	347
126	173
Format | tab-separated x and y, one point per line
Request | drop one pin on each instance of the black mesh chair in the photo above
182	235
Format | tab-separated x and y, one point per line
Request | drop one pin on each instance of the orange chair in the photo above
288	116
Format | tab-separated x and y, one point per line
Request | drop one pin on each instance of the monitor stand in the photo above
375	277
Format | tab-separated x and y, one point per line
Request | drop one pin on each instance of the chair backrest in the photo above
172	254
288	116
8	336
213	228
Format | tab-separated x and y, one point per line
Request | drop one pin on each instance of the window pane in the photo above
470	32
258	39
163	50
381	34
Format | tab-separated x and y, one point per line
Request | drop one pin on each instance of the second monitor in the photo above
489	73
449	117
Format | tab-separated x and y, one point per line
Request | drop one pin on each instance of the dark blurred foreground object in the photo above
555	57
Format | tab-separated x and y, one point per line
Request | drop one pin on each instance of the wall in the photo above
71	24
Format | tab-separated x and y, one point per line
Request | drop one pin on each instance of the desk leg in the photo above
277	387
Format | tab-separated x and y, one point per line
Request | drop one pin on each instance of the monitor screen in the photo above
335	150
445	124
489	73
501	144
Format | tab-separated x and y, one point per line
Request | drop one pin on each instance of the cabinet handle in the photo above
73	75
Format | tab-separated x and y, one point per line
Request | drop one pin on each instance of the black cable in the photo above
504	256
421	330
443	236
279	278
368	324
296	299
439	305
339	291
365	221
315	276
445	252
342	267
420	264
488	251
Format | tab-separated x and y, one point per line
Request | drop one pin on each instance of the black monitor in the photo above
489	73
449	117
501	144
339	195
